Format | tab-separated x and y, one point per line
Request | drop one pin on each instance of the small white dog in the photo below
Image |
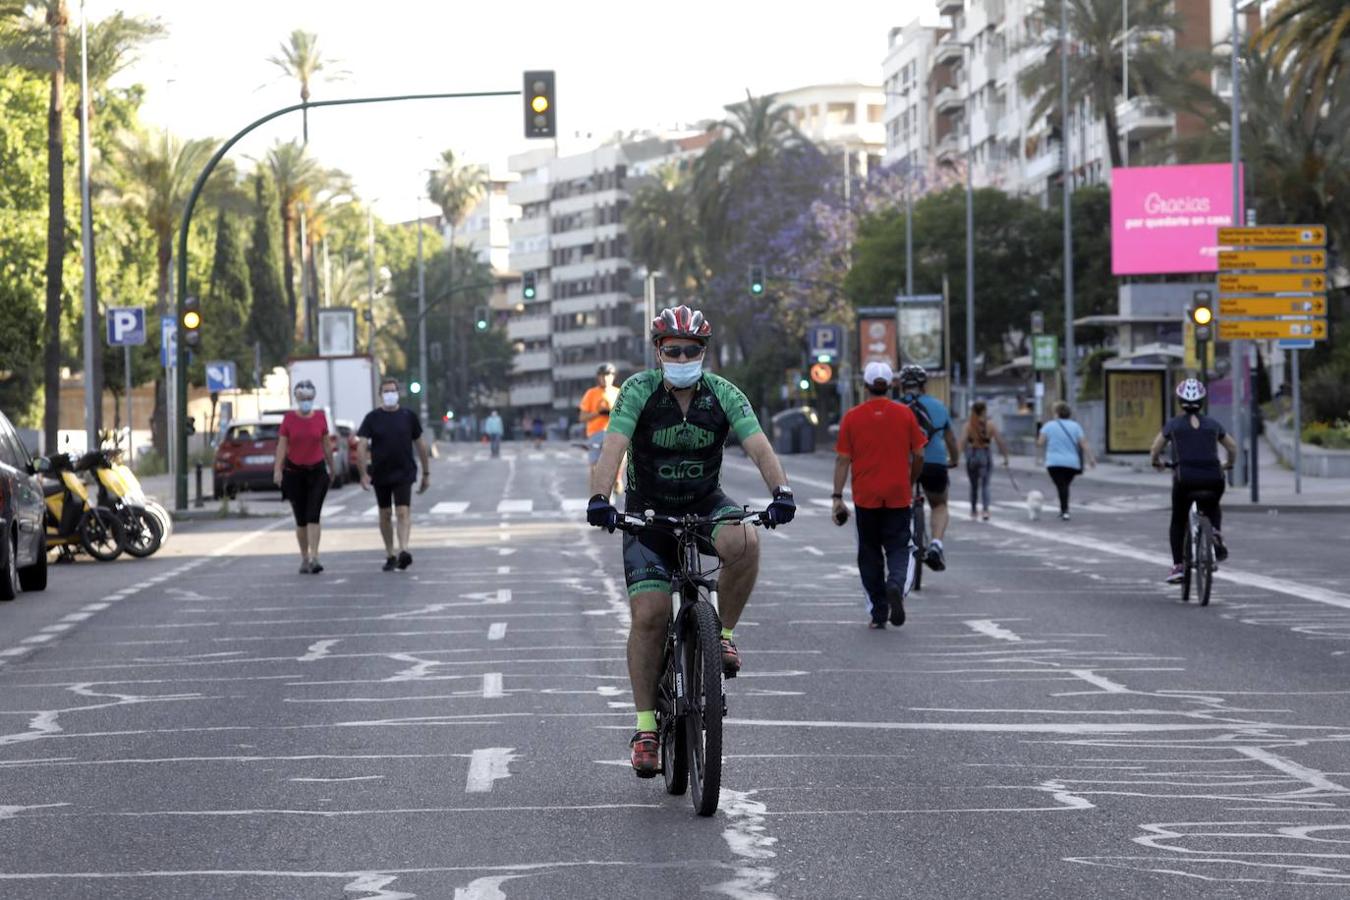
1035	500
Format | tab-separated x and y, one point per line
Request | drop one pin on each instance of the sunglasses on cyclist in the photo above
688	351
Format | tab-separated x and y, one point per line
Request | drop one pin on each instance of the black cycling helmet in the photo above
681	321
913	376
606	369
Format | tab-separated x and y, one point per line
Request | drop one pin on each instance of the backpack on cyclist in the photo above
920	413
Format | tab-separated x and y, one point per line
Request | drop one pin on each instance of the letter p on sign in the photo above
126	326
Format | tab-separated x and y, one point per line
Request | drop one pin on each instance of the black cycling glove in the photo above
781	510
601	513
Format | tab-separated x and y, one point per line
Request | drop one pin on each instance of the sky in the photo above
620	66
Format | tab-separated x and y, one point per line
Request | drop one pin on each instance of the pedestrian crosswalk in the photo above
565	507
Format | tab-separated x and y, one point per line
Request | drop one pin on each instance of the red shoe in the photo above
731	658
646	755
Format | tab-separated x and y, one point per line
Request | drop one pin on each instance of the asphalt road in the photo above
1051	722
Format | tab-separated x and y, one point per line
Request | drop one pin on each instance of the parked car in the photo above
244	459
22	508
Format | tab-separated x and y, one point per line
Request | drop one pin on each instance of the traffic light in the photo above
1202	315
541	113
191	325
527	286
414	387
756	280
480	318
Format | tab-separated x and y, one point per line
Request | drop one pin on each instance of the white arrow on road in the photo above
486	766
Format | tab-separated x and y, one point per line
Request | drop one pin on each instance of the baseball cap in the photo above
877	371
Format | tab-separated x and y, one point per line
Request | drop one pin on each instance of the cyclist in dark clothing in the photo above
1197	474
673	423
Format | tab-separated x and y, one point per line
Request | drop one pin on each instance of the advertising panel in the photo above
1164	218
1135	408
876	340
921	335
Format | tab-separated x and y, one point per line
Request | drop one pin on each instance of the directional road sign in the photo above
1272	329
1296	344
1274	236
1273	306
1237	283
824	340
126	326
221	376
1272	260
168	341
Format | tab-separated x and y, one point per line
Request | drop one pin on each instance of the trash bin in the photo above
794	430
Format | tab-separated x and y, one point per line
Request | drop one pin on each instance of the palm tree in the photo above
301	59
1157	68
296	175
455	188
1313	38
154	173
663	230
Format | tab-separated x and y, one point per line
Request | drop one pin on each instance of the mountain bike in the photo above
1197	553
691	701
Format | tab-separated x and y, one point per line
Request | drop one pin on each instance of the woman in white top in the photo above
1065	450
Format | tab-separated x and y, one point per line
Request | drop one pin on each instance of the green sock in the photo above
726	634
646	720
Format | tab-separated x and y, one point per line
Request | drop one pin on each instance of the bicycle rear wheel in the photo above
920	545
1204	562
703	716
1187	561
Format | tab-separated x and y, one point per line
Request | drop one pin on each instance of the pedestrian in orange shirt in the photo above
881	443
595	406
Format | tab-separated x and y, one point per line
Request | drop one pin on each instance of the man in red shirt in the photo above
881	442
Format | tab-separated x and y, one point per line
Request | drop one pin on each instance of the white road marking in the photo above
76	617
372	512
1106	684
57	628
503	596
814	551
492	686
489	888
576	504
449	508
1317	781
318	650
94	607
496	631
746	837
1079	728
332	780
515	506
37	639
333	510
990	628
486	766
14	651
503	570
1247	579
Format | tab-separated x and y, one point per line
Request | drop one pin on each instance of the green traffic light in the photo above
415	387
804	384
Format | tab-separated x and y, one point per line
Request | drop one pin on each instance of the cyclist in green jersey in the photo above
673	423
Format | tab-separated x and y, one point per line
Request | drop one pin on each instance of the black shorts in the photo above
934	478
305	487
387	495
649	558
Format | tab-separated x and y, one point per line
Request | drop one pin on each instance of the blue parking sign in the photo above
220	376
126	326
825	340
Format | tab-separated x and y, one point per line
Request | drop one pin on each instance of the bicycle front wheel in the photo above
1187	562
703	717
1204	563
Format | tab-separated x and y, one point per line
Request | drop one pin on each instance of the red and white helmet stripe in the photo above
681	321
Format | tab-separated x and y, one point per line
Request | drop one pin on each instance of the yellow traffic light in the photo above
192	319
539	104
1202	315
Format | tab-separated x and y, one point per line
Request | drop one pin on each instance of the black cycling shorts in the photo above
934	478
305	487
649	558
387	495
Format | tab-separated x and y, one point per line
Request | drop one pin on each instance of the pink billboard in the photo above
1163	218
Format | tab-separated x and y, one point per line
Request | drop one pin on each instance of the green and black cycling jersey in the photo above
675	458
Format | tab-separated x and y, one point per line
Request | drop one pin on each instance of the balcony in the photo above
949	146
532	394
948	52
1042	166
1140	118
583	337
529	328
948	100
532	361
951	7
522	193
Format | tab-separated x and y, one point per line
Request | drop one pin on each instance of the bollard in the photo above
198	503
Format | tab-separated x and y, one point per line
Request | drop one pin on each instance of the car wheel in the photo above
9	576
34	577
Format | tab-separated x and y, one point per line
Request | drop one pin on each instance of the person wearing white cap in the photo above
881	443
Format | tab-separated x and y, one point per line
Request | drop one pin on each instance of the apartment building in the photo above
847	118
570	237
908	116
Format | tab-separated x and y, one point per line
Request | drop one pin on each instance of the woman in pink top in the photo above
303	471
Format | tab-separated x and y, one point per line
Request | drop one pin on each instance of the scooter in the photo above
74	522
120	491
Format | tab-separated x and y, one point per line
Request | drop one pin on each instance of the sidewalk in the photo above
1275	482
160	487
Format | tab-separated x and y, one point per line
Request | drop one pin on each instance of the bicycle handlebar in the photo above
632	523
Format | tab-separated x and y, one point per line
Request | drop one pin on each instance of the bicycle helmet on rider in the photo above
681	322
913	376
1191	393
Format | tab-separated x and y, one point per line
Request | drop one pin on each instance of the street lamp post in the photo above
421	318
1070	352
91	398
1236	349
970	235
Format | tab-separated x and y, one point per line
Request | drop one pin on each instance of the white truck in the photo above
345	386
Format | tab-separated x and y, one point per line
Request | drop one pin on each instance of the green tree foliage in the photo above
228	301
269	322
1310	40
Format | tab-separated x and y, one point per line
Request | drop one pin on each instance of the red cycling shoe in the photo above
646	756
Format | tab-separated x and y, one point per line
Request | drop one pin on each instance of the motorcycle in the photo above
120	491
73	521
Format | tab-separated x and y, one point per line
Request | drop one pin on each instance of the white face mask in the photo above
390	398
306	406
682	374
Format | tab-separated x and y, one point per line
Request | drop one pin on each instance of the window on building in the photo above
876	112
840	114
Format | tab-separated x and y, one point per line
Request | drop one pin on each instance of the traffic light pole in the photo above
180	379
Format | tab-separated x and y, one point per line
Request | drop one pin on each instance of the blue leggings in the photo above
980	468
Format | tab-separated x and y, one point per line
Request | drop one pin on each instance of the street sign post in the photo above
1273	260
168	341
1237	305
221	375
1264	283
1271	329
1274	236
